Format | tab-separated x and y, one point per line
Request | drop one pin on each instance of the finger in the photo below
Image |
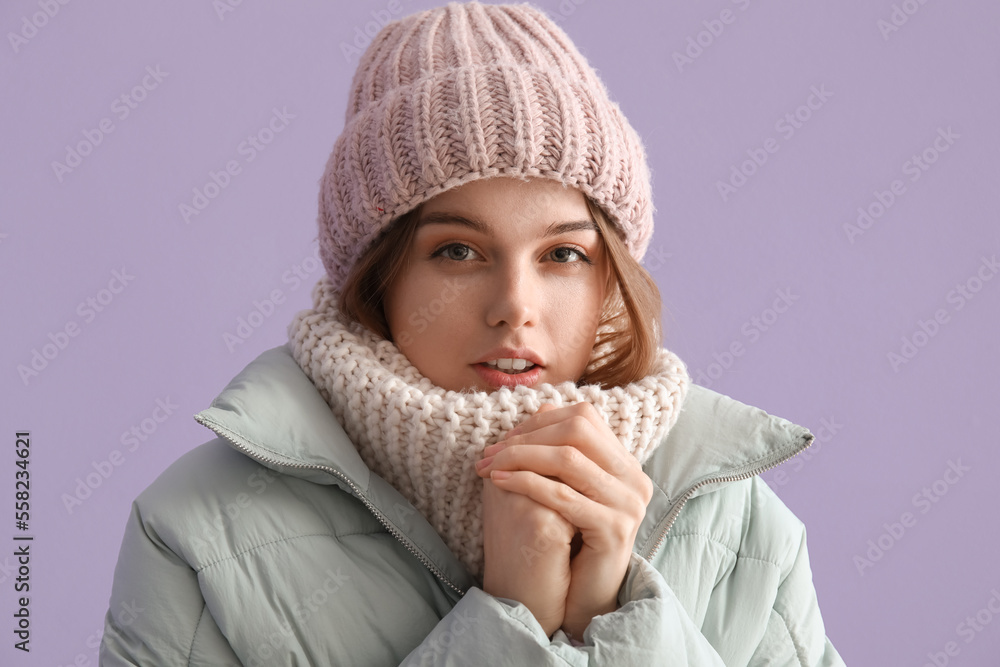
526	426
597	443
532	421
548	415
592	518
568	465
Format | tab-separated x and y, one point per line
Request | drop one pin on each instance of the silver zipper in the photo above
221	430
676	509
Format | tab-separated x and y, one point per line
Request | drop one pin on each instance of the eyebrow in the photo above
555	229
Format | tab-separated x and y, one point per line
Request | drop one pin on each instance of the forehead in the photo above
485	228
508	207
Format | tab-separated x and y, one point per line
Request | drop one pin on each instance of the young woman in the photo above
474	448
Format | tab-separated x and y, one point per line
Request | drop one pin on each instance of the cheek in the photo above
572	329
390	306
588	304
583	321
399	305
428	303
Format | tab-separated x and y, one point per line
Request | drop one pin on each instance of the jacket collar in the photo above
274	414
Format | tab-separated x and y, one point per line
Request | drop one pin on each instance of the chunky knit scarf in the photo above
425	440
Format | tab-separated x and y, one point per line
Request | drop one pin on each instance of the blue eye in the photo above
442	252
583	258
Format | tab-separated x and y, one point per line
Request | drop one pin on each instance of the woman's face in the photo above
500	263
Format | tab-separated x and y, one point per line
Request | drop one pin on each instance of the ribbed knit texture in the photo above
469	91
425	440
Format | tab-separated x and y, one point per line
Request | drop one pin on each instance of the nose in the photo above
513	298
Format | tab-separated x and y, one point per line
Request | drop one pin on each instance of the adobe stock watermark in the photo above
425	314
924	500
363	35
958	297
752	331
698	43
544	538
30	25
231	510
131	440
828	428
122	107
786	126
566	9
458	623
263	309
88	310
274	646
248	149
223	7
7	569
968	630
655	258
126	614
899	17
915	167
93	643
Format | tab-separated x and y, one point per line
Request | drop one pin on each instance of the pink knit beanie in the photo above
468	91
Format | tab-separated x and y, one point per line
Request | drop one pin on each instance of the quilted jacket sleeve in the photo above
157	608
795	635
651	627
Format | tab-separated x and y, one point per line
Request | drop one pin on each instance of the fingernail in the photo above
500	474
483	463
493	449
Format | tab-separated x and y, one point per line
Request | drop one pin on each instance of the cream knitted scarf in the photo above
425	440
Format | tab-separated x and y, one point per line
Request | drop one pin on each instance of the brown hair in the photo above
628	334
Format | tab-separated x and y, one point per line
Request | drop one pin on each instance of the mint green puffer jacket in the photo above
274	544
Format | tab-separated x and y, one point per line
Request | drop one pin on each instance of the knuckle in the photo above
560	530
578	425
571	456
548	519
620	530
565	493
647	488
621	463
639	511
545	521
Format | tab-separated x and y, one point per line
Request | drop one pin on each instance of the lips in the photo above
511	365
497	378
525	353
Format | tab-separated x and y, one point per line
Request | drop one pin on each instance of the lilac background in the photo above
719	262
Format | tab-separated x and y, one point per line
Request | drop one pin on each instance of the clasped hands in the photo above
562	503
